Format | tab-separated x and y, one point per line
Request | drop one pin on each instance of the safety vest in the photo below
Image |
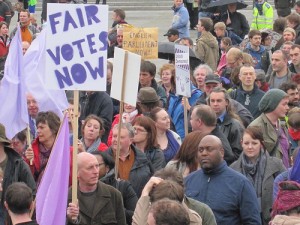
265	20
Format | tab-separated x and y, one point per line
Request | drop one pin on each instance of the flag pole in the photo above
29	142
120	116
185	116
75	147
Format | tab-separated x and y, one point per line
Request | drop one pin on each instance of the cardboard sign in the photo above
182	70
125	74
76	46
141	41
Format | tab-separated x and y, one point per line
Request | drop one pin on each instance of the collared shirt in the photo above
126	165
221	117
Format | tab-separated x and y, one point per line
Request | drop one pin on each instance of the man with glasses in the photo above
229	194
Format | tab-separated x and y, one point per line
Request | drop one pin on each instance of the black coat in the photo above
129	196
140	172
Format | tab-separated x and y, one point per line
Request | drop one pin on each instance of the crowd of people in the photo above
239	163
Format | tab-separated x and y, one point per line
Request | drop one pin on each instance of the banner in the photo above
141	41
182	70
76	46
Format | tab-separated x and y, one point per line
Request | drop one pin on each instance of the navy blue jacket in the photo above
229	194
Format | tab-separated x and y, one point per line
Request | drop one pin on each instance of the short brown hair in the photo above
120	13
49	118
206	115
167	189
294	18
220	25
207	23
168	212
252	33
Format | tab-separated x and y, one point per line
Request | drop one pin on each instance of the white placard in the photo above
182	70
128	69
76	46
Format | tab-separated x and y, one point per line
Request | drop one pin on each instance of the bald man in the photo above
229	194
98	203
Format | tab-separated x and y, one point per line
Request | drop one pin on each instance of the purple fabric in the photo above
35	72
52	194
284	143
172	148
295	173
14	113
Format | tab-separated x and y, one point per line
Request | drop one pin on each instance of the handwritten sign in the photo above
182	70
141	41
76	46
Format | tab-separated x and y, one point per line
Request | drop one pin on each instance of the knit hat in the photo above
147	95
3	138
270	100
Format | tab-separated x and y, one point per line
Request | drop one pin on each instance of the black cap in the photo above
212	78
172	32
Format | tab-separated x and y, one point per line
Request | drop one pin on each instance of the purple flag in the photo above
52	194
14	113
295	173
35	76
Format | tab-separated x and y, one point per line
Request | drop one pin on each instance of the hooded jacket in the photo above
261	57
207	49
181	21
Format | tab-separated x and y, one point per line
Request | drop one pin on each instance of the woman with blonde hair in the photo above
167	76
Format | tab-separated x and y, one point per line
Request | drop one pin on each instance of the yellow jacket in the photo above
264	19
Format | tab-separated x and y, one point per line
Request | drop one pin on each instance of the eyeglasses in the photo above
208	149
139	130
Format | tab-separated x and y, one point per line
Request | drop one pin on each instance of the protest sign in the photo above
141	41
125	78
182	70
76	50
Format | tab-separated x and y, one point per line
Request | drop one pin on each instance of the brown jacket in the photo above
207	50
108	207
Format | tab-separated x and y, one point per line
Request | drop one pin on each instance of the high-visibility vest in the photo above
265	20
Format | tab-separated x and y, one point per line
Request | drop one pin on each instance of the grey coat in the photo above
274	166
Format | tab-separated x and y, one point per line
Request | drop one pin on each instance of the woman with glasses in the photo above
260	168
145	140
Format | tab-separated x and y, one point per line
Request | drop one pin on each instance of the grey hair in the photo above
128	127
205	67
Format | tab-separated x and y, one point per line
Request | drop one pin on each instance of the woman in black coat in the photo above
107	176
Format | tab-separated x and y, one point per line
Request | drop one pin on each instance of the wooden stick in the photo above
185	116
75	147
29	143
120	117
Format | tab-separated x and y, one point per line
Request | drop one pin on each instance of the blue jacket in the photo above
261	58
181	21
229	194
236	40
176	110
